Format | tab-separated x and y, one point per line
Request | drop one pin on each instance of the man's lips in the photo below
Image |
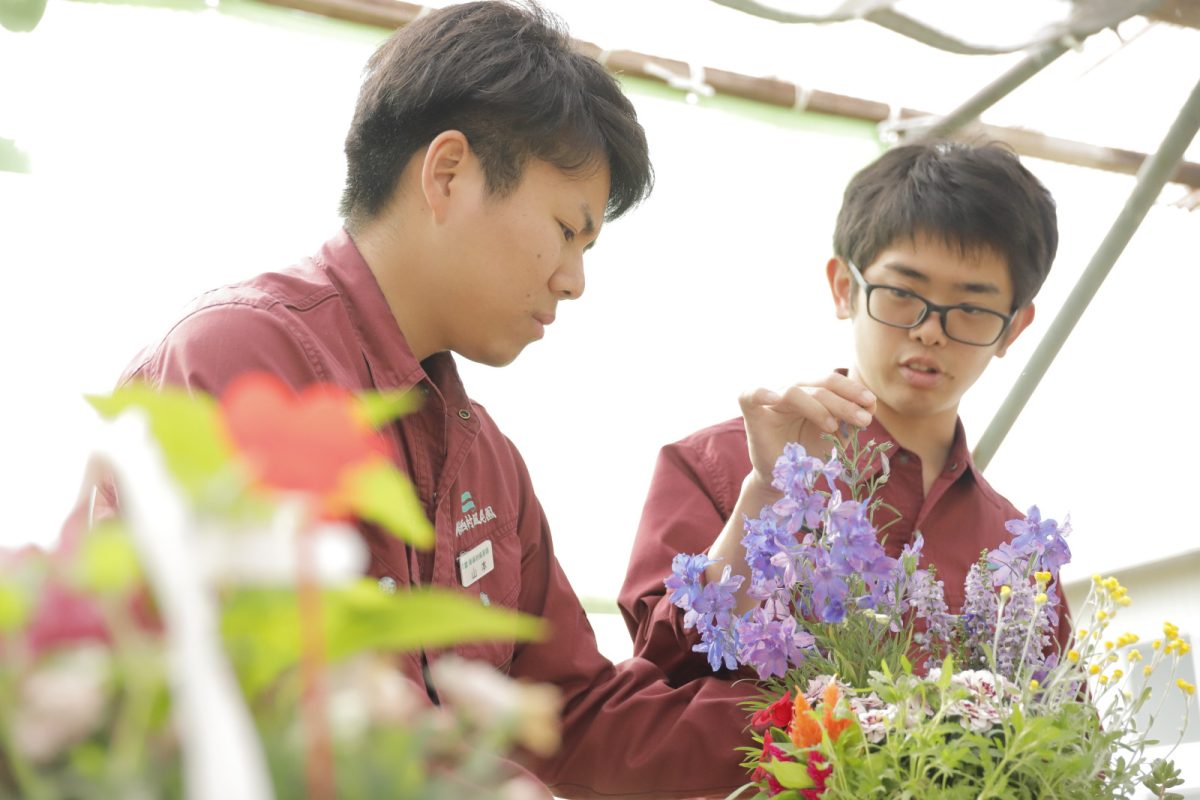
544	319
921	373
924	365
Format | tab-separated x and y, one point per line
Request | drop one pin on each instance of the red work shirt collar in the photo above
391	361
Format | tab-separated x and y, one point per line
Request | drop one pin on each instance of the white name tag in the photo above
476	562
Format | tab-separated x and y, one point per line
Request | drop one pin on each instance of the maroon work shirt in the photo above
697	482
625	730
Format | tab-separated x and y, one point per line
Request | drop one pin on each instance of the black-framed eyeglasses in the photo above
901	308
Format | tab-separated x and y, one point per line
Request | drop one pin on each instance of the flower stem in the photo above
318	765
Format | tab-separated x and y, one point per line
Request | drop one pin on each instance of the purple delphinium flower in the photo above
854	550
770	644
832	470
1017	647
910	556
979	611
1042	538
684	582
927	598
829	591
767	545
716	599
719	642
795	470
711	616
800	510
1008	565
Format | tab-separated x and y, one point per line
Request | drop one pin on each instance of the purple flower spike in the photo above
770	645
1042	538
684	581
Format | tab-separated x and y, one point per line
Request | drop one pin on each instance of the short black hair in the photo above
972	196
508	78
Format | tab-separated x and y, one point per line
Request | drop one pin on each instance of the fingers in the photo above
851	390
825	404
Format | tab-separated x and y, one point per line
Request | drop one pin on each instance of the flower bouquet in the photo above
219	639
872	688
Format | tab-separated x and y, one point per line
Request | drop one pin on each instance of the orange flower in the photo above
833	726
306	442
806	730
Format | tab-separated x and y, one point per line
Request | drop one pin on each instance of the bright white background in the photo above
174	151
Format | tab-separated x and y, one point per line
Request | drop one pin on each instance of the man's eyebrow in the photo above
589	226
972	287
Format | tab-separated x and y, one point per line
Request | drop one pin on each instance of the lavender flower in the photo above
1009	565
800	509
1043	538
770	644
1024	632
767	547
716	599
684	582
796	471
709	610
719	642
910	556
927	598
979	611
829	592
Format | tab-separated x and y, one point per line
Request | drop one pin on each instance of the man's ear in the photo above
442	169
1019	323
841	286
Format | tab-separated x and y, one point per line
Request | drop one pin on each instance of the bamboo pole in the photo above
774	92
1150	180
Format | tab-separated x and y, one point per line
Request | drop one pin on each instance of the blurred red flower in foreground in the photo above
778	714
306	442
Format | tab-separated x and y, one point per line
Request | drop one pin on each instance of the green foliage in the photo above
1163	776
118	740
262	627
382	495
381	408
21	16
109	562
186	427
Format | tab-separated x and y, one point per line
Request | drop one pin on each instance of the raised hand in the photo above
803	413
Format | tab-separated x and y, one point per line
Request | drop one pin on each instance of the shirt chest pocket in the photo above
494	553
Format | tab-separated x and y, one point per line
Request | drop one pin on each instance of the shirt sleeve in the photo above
687	506
210	347
626	731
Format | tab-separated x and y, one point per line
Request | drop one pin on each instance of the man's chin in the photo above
492	356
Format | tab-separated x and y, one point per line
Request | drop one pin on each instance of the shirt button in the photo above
903	458
464	414
954	467
387	584
483	598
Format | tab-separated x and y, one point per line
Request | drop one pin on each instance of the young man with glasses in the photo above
939	250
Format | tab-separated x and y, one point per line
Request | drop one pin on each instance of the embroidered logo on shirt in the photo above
472	516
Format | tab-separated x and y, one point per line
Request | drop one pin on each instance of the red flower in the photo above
64	616
778	714
770	752
306	442
818	775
